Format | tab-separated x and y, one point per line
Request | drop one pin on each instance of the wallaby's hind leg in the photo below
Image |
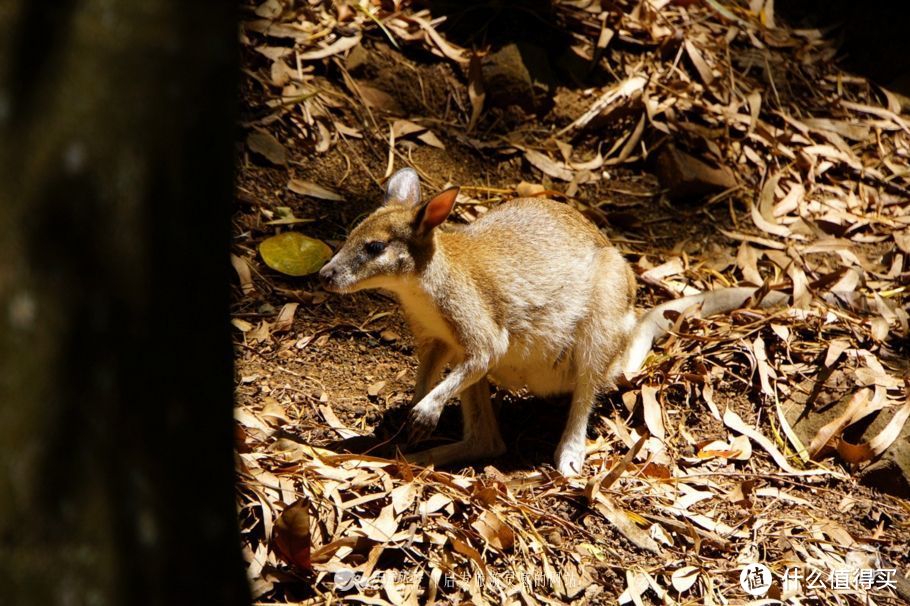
600	340
481	431
570	454
479	420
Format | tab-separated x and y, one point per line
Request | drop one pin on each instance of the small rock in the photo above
519	75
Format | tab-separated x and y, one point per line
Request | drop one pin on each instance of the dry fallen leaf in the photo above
557	170
622	93
698	60
890	433
241	325
338	46
466	550
243	273
860	405
736	423
403	128
376	388
494	532
529	190
307	188
684	578
262	332
866	451
389	336
624	524
267	146
457	54
285	319
741	447
291	536
269	9
431	139
762	213
379	99
382	528
476	92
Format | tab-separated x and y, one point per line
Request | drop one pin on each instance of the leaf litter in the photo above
669	509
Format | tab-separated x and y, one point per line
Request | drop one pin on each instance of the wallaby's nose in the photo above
327	273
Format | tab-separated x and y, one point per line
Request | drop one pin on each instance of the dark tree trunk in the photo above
116	479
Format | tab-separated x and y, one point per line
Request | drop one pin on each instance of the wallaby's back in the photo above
547	277
532	254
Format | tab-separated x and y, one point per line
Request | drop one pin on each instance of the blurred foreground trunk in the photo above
116	480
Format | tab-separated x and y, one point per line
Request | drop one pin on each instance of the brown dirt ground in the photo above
339	346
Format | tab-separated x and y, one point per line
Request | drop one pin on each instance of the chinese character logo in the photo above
755	579
346	579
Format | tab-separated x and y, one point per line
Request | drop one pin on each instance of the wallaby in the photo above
531	295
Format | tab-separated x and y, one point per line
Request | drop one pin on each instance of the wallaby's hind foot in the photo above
469	449
481	431
570	456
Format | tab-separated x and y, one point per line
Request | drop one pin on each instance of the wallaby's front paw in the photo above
422	421
570	458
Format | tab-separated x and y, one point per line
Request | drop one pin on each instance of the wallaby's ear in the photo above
435	211
403	188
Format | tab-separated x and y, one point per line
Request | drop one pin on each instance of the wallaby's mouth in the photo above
343	286
332	287
343	282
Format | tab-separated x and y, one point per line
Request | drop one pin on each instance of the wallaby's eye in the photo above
375	247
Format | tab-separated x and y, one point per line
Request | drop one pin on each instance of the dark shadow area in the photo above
530	427
526	49
873	36
116	170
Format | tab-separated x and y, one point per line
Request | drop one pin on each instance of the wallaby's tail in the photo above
654	325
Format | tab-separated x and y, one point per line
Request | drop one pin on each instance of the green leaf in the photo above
294	254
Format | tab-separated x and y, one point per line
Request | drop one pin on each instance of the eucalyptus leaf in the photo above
267	146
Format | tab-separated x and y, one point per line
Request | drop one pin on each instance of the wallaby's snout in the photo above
371	256
344	272
327	275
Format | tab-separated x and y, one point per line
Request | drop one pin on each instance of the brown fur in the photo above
531	295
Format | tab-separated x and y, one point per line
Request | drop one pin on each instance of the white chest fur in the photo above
423	315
